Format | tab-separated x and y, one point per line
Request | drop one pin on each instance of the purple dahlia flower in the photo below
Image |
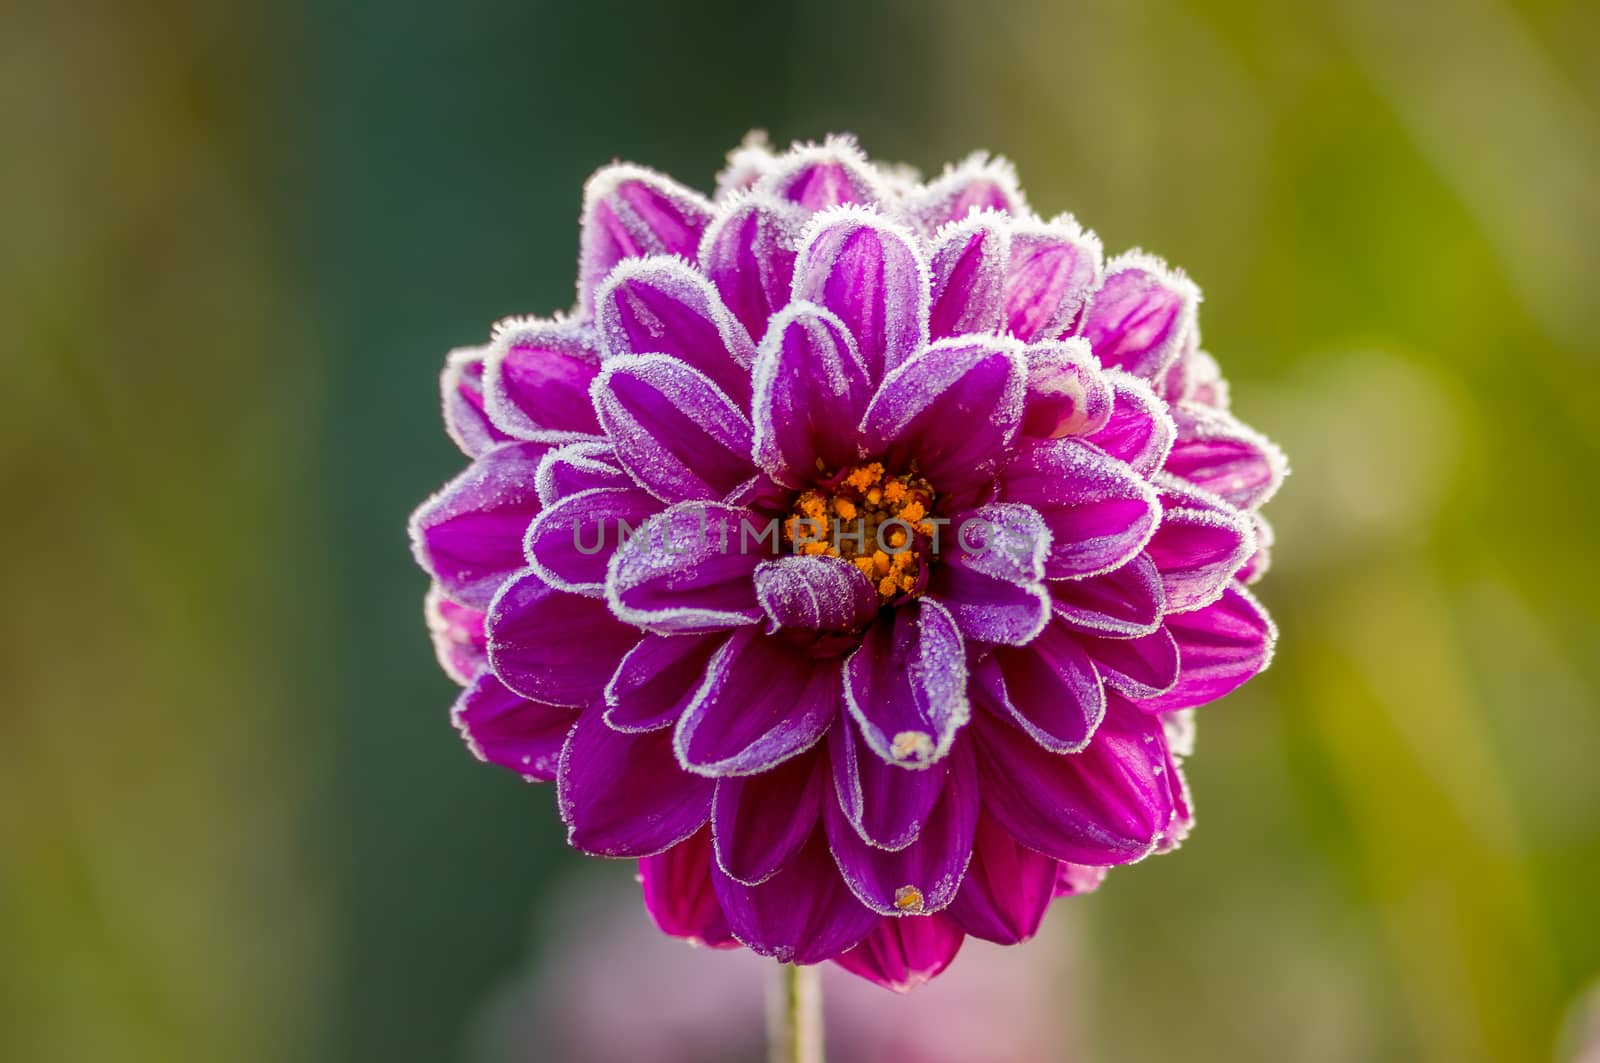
852	555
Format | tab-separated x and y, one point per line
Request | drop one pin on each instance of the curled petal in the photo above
905	952
977	184
502	727
1122	603
1068	395
906	684
922	877
674	431
1054	266
1049	688
886	804
746	165
1139	431
1141	316
954	409
688	569
1142	667
1219	453
658	679
1256	564
582	466
811	389
1220	647
457	633
570	544
1007	889
762	702
469	535
748	253
990	576
1201	543
1107	805
665	306
969	263
814	593
803	914
815	177
1099	511
867	270
623	794
632	212
679	896
760	821
536	379
461	391
552	646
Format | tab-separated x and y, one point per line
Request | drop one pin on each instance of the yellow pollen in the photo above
875	520
908	899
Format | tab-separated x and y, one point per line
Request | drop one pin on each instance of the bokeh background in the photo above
238	239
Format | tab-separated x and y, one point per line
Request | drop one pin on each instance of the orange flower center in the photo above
876	521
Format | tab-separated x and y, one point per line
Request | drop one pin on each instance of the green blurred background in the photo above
234	821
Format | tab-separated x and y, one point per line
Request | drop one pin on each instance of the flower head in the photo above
852	554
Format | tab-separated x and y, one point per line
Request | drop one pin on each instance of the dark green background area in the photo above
234	821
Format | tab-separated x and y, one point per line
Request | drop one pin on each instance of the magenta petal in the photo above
816	177
748	253
655	683
1068	395
1054	266
1141	315
1122	603
1007	889
624	794
502	727
673	429
689	568
461	390
457	633
906	684
582	466
1140	430
1256	565
631	212
923	876
979	183
968	266
1073	879
990	572
570	544
814	593
811	389
886	804
1142	667
1049	688
1099	511
764	700
469	535
664	306
552	646
1201	543
1218	453
867	270
905	952
1219	647
679	896
1107	805
536	380
803	914
954	409
759	821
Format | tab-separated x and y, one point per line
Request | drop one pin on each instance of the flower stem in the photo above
794	1015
